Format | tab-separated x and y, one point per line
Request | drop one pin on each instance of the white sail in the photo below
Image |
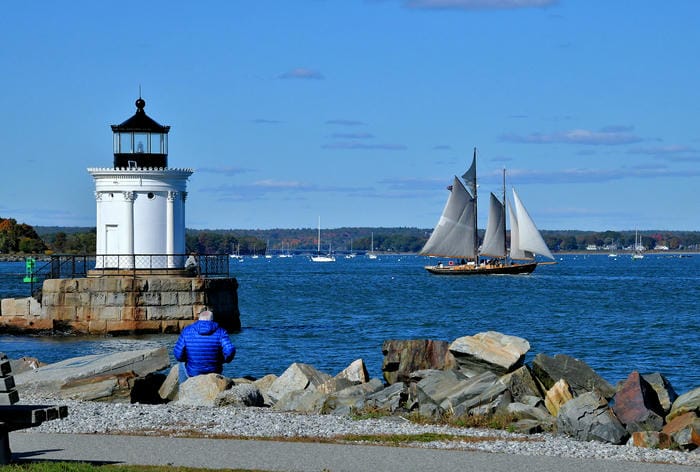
529	237
470	175
453	234
494	243
515	251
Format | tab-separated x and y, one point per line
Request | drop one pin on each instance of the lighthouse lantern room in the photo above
140	200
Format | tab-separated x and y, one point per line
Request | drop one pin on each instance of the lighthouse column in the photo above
129	231
99	237
170	229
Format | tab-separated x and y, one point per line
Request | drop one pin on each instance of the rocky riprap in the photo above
559	405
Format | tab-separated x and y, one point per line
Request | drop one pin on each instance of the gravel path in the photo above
175	420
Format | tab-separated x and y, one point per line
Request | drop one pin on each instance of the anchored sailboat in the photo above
455	235
321	257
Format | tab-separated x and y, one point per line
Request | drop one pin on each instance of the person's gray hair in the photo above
206	315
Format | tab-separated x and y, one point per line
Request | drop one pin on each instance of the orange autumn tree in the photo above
20	237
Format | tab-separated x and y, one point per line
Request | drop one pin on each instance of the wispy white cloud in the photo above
227	171
343	122
671	153
588	175
476	4
262	188
663	150
364	146
352	136
302	73
606	136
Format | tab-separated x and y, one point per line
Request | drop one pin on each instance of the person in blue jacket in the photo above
204	347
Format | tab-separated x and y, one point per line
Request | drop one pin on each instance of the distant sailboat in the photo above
455	235
351	255
638	248
286	254
320	257
371	253
237	255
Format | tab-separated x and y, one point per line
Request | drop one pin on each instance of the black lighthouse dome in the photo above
140	141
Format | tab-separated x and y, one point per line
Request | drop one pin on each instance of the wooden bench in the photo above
14	417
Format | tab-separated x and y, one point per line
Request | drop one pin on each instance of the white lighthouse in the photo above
140	200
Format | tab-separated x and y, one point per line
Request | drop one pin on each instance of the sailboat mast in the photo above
505	245
476	214
319	235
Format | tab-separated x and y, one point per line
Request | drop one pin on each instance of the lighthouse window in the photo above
151	196
141	142
158	143
125	142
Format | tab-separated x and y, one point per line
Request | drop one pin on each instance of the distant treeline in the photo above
72	240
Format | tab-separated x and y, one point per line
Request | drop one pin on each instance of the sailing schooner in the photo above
456	236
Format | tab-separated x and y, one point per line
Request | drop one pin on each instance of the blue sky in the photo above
360	111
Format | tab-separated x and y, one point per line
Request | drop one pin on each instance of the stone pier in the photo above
122	305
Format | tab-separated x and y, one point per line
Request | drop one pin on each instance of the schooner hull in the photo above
468	269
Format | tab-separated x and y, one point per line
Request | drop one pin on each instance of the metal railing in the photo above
62	266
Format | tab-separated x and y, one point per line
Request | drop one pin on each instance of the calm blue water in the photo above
617	315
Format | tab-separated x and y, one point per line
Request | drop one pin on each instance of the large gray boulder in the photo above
302	401
391	398
685	403
580	377
402	357
451	391
589	418
355	373
521	384
353	398
202	390
298	376
241	395
92	377
490	351
663	388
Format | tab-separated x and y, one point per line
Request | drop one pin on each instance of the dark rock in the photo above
526	426
391	398
580	377
450	391
401	357
245	394
637	405
589	418
663	388
521	384
352	398
145	389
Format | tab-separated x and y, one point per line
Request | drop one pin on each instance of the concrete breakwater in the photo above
474	376
121	305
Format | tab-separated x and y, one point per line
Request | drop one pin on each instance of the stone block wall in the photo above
123	305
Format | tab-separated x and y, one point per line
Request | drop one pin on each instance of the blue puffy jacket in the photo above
204	347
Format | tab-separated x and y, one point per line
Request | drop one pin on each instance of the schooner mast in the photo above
470	179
